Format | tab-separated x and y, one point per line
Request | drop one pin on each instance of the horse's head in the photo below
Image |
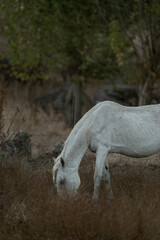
66	179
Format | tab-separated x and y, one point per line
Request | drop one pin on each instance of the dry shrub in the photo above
30	208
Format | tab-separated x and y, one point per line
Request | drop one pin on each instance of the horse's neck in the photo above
74	149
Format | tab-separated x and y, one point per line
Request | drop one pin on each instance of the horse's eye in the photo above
62	181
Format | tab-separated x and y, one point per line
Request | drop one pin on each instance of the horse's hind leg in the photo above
106	178
101	155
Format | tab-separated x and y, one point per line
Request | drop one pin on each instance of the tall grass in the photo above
30	208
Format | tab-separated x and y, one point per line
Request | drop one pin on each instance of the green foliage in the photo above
25	28
64	36
84	39
118	43
134	36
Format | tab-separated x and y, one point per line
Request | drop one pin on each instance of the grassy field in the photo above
30	208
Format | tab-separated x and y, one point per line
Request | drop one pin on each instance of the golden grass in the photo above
31	209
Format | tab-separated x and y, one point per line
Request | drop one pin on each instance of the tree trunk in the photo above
76	102
144	93
73	104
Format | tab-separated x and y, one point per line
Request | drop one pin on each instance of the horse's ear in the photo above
54	159
62	162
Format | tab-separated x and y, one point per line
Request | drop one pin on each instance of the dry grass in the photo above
30	208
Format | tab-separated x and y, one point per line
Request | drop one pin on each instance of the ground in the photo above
30	208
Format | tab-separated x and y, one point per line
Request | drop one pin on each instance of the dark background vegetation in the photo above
54	57
77	41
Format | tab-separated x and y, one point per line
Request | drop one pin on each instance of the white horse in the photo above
107	128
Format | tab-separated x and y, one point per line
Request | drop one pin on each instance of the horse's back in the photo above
133	131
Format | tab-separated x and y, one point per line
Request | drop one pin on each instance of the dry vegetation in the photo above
19	112
30	208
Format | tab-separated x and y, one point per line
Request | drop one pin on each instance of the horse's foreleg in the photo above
106	178
100	162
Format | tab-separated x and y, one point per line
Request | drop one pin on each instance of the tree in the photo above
80	40
134	36
26	29
67	37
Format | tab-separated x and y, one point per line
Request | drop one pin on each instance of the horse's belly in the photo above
137	151
136	140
